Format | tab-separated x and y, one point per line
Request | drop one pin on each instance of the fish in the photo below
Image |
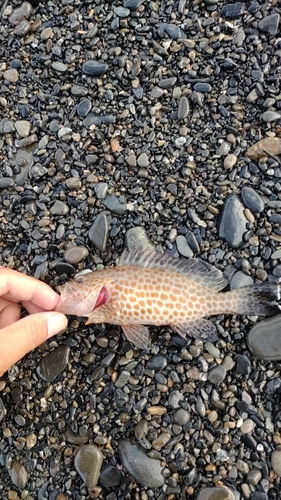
150	288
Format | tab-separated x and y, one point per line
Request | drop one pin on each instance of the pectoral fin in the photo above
137	334
198	328
103	314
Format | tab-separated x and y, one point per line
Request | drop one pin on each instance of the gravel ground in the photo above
138	124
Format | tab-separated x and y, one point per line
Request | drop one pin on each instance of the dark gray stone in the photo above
232	222
252	199
264	339
94	68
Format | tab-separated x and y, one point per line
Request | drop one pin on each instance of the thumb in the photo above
24	335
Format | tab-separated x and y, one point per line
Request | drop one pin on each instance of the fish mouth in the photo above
102	298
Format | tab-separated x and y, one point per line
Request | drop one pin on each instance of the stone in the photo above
59	208
11	75
98	232
265	147
276	461
183	247
23	128
115	205
76	254
54	363
264	339
270	24
94	68
252	199
137	239
111	477
18	475
215	493
183	108
21	12
232	223
217	374
88	461
145	470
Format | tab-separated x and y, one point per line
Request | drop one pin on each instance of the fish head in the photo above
82	295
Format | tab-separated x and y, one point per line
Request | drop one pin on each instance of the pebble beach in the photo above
142	124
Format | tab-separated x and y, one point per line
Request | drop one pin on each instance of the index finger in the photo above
18	287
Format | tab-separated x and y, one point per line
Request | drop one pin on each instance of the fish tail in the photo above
261	299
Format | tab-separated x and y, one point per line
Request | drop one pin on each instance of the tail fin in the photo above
261	299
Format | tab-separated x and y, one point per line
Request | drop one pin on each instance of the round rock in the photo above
145	470
264	339
276	462
76	254
88	461
252	199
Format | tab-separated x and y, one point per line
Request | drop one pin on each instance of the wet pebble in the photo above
269	24
276	461
59	208
243	365
240	279
143	469
94	68
217	374
157	362
11	75
54	363
76	254
220	492
21	12
111	477
18	475
101	189
143	160
233	10
84	107
183	108
6	182
98	232
252	199
88	461
264	339
232	223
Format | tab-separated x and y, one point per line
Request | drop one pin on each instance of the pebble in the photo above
145	470
183	108
18	475
270	116
230	161
218	493
264	339
84	107
21	12
6	182
217	374
101	189
88	461
98	232
54	363
23	128
269	24
76	254
3	410
94	68
252	199
59	208
240	279
11	75
264	147
233	10
111	477
243	365
115	205
183	247
276	461
232	223
136	238
143	160
157	362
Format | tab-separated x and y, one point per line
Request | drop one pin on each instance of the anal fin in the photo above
201	329
137	334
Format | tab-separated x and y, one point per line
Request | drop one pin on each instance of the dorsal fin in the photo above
196	269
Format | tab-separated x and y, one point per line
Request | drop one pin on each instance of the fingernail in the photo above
56	324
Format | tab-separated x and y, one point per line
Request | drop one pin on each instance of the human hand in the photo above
19	336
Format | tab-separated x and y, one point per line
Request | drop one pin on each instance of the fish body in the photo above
148	288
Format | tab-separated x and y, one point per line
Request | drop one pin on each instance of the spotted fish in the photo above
149	288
